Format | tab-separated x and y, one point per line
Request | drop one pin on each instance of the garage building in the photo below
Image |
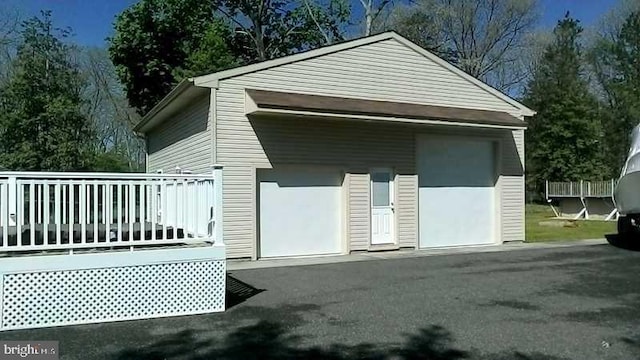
370	144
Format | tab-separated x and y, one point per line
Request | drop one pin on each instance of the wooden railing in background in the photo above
580	189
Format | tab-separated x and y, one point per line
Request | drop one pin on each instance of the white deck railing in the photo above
46	211
580	189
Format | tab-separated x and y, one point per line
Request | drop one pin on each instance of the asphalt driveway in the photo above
565	303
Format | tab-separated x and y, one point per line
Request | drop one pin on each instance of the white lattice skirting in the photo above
42	291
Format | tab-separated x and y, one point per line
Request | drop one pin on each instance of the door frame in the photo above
255	183
392	203
497	142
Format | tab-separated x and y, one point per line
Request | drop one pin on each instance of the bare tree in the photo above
267	29
309	8
610	24
487	37
10	19
598	38
109	110
420	26
373	9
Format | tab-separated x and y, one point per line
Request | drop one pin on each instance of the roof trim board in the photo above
211	80
260	102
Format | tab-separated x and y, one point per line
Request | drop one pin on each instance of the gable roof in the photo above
212	80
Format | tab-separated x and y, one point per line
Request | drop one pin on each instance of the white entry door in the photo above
382	197
300	211
456	195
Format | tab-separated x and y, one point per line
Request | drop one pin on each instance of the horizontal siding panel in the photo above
386	71
383	71
321	82
184	140
238	210
512	184
323	143
359	212
407	205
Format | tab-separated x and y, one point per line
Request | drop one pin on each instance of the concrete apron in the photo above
410	253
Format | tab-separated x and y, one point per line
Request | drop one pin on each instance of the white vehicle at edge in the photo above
627	192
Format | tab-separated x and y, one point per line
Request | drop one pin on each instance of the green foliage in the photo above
159	42
42	126
211	54
112	161
266	29
107	108
541	225
153	41
564	139
621	82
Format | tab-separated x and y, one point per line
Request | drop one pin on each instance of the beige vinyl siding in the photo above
359	205
323	143
184	140
359	211
387	70
407	209
239	210
512	186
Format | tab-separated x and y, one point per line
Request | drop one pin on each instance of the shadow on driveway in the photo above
624	242
269	340
238	291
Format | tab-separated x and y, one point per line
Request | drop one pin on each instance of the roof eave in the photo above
386	119
212	80
185	84
261	102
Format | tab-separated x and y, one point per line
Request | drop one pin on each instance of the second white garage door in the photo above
300	211
456	194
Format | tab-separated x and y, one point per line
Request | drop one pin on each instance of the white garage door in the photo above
456	192
300	211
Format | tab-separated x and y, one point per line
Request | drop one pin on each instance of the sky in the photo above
92	20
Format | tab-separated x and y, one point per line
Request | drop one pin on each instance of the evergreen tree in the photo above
41	123
564	139
623	88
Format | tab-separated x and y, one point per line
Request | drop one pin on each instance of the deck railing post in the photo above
218	226
546	189
612	186
13	199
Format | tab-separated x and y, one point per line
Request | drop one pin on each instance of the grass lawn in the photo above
583	229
